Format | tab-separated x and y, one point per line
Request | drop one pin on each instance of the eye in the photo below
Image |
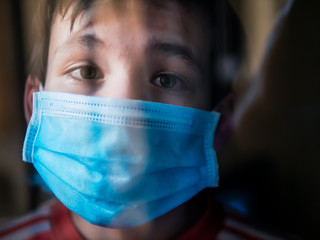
85	73
169	81
88	72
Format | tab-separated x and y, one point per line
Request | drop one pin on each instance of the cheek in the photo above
199	98
53	81
51	84
204	91
205	98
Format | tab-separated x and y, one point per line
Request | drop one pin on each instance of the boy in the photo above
126	168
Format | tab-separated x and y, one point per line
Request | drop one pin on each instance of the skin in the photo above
157	52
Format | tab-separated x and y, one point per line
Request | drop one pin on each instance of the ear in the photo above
226	124
32	85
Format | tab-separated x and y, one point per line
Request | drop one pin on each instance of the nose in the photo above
125	83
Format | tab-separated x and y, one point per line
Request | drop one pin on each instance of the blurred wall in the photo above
14	197
274	152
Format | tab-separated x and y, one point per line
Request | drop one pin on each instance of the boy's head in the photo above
166	51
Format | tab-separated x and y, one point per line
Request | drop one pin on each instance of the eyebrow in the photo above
87	41
90	42
174	49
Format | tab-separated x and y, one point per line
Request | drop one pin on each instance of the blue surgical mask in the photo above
119	162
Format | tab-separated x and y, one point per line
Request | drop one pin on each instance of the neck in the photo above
168	226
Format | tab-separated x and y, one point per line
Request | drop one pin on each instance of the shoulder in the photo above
237	226
30	226
221	223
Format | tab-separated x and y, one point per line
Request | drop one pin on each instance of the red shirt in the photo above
53	221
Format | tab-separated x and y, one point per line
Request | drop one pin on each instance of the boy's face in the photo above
157	52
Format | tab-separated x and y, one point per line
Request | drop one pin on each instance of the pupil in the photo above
88	72
167	82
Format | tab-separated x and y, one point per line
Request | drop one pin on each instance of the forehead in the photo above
141	19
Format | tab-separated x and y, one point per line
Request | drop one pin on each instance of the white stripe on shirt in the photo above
29	231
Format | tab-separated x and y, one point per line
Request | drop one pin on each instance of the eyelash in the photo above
179	82
76	72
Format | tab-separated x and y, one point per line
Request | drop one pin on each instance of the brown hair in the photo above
44	16
227	45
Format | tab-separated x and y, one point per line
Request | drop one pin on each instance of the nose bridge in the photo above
127	64
125	81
